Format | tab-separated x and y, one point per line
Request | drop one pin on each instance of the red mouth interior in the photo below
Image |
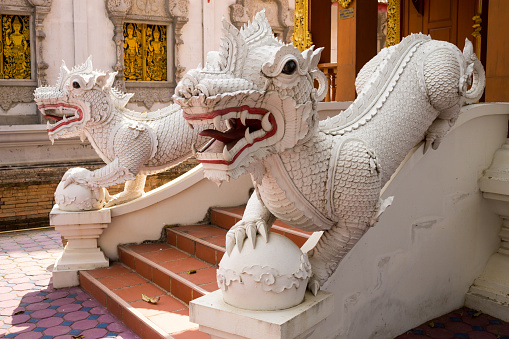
234	134
60	118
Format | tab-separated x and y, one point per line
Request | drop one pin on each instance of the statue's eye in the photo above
289	67
76	85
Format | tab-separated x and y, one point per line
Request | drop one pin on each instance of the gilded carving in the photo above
393	22
142	53
15	55
344	3
477	29
145	52
301	37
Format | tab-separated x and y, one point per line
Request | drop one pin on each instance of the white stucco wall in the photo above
76	29
419	260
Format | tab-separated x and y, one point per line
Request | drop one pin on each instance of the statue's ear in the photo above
315	58
106	80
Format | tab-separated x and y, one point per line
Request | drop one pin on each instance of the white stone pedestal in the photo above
81	230
221	320
490	291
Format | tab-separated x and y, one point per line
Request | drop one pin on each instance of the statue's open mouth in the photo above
235	129
63	114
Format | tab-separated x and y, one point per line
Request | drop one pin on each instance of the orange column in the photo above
356	43
497	53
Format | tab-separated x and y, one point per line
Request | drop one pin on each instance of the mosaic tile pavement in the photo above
462	323
30	308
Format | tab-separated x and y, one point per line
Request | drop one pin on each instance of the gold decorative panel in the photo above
344	3
15	47
393	22
145	52
301	37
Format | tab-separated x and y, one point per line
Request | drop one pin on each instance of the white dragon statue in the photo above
327	175
133	145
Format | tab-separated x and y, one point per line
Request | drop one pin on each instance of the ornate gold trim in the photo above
477	29
393	22
344	3
301	37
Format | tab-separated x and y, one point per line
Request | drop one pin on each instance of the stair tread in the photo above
238	211
193	270
169	314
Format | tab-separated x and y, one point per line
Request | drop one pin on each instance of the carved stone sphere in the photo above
270	276
75	198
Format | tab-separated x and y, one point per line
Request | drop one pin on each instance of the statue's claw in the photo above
251	233
230	242
427	144
240	235
313	285
69	180
262	228
250	229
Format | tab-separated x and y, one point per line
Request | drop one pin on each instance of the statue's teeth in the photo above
60	109
228	124
226	154
48	125
243	116
248	136
217	122
265	123
64	118
193	148
190	124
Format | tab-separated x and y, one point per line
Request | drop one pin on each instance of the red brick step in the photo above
178	271
119	289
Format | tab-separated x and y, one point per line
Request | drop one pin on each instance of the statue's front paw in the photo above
76	175
250	228
436	132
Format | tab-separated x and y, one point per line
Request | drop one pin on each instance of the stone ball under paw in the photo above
270	276
75	197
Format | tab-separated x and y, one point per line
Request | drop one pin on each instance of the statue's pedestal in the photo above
81	230
490	291
221	320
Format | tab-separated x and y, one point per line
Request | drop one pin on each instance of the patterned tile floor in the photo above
462	323
31	308
29	305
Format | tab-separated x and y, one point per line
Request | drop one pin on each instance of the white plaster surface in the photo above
29	144
184	200
74	30
428	247
224	321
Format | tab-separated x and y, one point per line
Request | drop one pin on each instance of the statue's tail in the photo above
475	68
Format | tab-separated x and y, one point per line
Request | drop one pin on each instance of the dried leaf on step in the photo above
191	272
477	314
79	336
154	300
431	324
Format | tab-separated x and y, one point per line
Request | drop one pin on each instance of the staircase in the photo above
177	271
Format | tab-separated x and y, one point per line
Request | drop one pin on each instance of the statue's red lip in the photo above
58	118
232	136
213	114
